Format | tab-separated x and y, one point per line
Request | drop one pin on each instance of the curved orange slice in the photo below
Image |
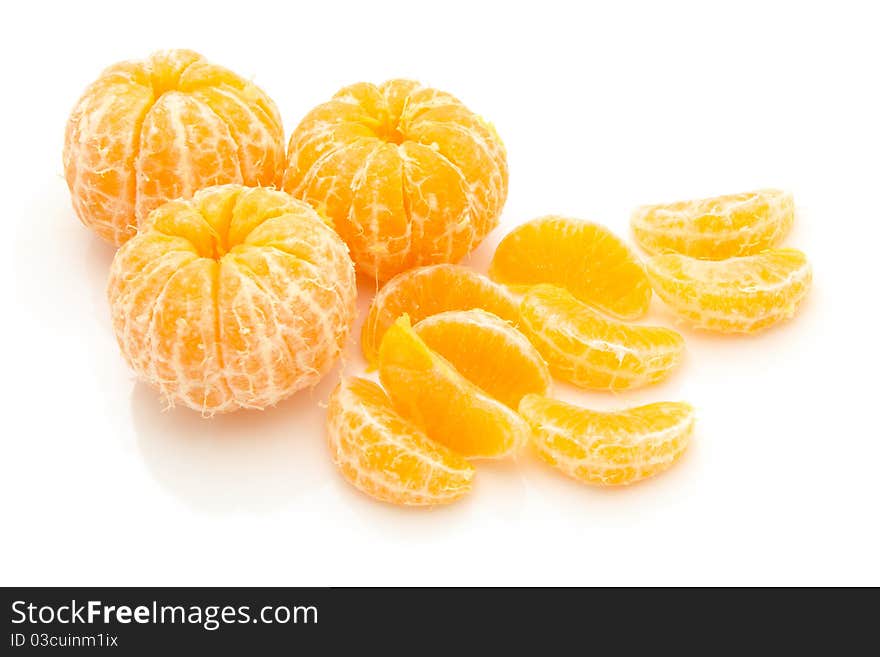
487	351
608	449
590	351
737	295
716	228
386	456
585	258
428	390
429	290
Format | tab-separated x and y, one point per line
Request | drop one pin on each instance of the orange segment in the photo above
184	146
439	121
487	351
386	456
102	180
252	121
430	290
377	226
428	390
236	298
435	228
325	186
737	295
408	174
608	449
150	131
718	227
583	257
590	351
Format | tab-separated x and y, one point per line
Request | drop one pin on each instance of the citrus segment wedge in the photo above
425	388
608	449
429	290
590	351
487	351
737	295
386	456
585	258
716	228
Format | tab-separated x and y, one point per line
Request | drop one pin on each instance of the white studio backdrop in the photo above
602	106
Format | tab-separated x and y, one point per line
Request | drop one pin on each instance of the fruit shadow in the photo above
244	462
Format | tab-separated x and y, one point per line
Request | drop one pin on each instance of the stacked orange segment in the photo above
736	295
386	456
428	390
408	174
234	299
449	379
429	290
147	132
608	449
590	351
585	258
716	228
487	351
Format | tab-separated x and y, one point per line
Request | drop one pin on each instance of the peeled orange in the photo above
590	351
736	295
427	291
408	174
426	389
234	299
585	258
608	449
150	131
387	457
718	227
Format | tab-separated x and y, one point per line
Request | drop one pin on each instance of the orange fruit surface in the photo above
408	174
736	295
585	258
608	449
487	351
718	227
234	299
429	290
150	131
425	388
590	351
387	457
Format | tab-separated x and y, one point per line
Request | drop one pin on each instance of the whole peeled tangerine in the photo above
234	299
146	132
408	174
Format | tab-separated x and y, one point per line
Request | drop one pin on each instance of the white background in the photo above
602	108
